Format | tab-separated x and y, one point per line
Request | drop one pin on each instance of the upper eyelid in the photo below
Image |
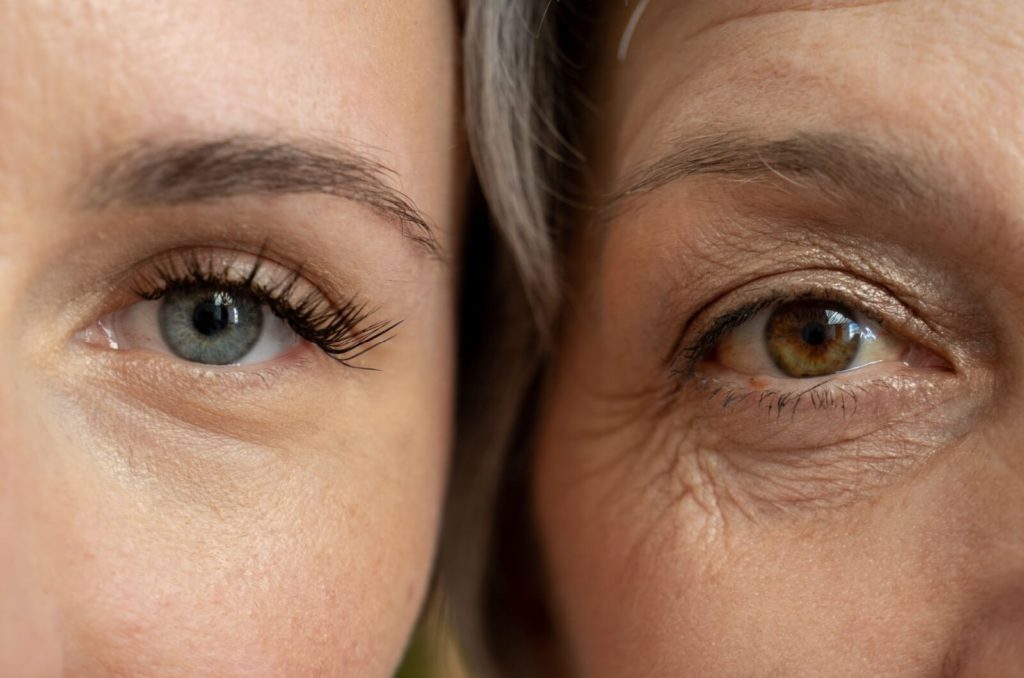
246	270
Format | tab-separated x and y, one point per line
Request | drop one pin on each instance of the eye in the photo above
229	308
203	324
808	338
836	349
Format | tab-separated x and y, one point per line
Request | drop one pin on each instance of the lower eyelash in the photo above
823	395
340	331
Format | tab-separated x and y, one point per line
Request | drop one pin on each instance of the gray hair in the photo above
515	140
512	92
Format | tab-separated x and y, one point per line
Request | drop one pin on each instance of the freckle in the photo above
756	383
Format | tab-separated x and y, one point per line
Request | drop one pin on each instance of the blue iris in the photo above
210	326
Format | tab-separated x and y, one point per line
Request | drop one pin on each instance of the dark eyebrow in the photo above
837	162
152	173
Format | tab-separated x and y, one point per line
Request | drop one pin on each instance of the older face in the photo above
225	321
784	434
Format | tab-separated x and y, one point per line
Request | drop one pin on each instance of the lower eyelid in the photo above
265	403
155	371
763	412
784	451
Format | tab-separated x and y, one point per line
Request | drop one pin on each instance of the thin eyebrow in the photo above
836	162
152	173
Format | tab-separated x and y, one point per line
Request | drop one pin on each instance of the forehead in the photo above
910	70
80	76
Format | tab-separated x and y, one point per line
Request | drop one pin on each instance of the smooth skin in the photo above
702	521
160	517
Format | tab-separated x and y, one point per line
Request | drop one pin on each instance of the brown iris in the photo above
812	338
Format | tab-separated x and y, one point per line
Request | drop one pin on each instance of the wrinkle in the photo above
760	11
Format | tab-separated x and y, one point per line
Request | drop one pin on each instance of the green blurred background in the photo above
432	653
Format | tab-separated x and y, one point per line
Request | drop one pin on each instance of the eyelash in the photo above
338	331
823	394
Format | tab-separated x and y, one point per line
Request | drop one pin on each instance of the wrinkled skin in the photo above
700	520
160	517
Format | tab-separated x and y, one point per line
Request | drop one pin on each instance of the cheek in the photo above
145	585
662	565
297	565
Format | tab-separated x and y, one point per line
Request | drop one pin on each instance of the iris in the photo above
812	338
210	326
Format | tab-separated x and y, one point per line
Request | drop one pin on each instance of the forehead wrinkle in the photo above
757	10
972	168
673	41
727	235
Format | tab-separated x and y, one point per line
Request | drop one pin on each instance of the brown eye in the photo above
812	338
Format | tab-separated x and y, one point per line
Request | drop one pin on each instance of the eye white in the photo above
137	327
745	349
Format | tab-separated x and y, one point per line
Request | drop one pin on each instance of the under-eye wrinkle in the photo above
814	348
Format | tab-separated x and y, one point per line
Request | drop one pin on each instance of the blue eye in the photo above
229	308
210	326
203	324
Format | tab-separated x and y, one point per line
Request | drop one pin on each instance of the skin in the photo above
159	517
687	534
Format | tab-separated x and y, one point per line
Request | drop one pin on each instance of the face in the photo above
226	235
783	431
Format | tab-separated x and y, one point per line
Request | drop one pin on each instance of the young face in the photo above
783	436
226	283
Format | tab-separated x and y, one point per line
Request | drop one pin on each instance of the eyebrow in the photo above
837	162
168	174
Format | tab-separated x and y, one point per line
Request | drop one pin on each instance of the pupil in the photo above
211	316
813	334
